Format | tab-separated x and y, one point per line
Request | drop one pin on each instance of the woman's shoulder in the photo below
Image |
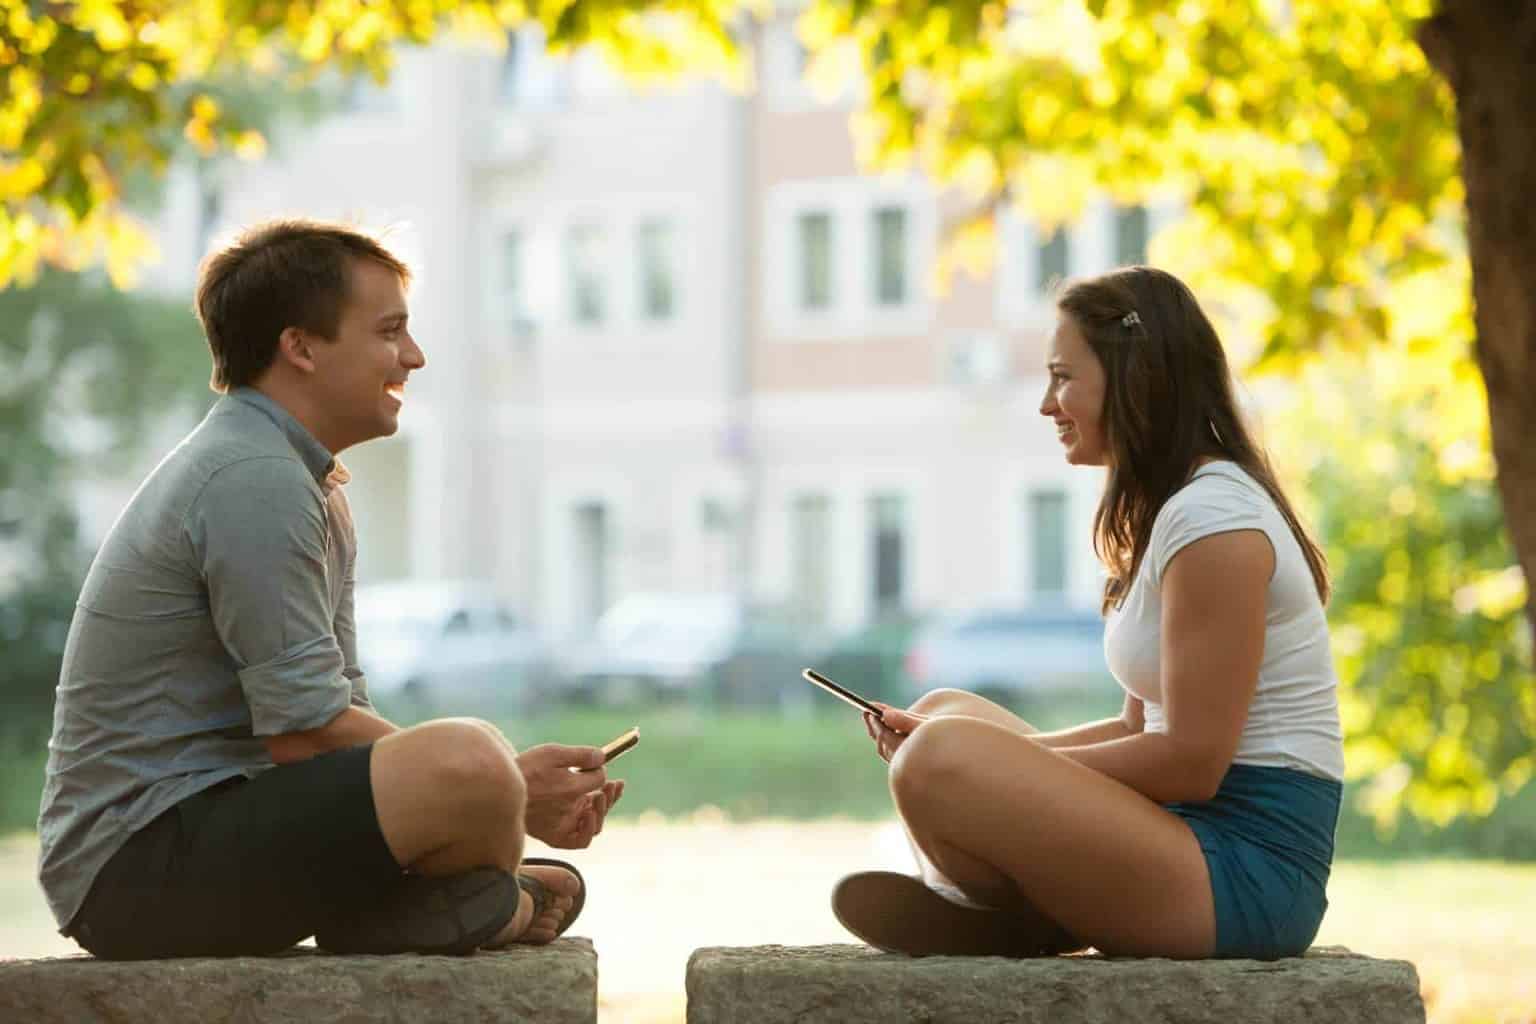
1219	498
1218	486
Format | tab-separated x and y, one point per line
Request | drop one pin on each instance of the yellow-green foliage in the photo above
91	91
1430	635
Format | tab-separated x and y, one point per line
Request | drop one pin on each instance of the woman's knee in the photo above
942	701
931	761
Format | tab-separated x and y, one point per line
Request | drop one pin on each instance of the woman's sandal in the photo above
901	914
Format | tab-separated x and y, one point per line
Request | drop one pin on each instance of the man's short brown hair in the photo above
276	275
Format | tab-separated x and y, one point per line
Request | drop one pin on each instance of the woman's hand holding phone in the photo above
891	729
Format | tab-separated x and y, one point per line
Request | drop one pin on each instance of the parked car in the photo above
432	647
872	659
711	648
1003	652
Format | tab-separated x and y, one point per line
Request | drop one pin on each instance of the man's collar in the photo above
317	458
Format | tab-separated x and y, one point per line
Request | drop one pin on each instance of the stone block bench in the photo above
854	984
554	984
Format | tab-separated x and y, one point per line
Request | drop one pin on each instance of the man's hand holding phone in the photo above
569	793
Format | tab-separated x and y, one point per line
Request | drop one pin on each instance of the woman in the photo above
1200	822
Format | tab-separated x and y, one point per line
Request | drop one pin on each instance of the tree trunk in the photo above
1486	49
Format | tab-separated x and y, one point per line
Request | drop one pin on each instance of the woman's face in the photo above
1074	397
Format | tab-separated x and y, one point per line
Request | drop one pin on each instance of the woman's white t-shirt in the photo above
1293	721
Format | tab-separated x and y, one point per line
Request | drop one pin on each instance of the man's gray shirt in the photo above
217	611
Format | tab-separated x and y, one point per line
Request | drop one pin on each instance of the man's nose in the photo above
413	356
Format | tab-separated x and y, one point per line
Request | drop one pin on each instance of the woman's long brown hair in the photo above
1168	401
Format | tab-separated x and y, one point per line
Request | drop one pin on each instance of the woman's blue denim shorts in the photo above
1267	836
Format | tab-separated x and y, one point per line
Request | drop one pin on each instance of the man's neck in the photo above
302	408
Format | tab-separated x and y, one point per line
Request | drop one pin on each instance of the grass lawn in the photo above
1466	925
751	766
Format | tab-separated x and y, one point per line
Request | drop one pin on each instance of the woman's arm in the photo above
1212	643
1129	723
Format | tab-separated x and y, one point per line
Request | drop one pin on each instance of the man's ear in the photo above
295	348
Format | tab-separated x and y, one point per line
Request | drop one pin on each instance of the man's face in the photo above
361	375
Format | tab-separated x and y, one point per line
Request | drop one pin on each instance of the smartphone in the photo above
620	744
840	692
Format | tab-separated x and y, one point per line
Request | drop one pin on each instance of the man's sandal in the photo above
541	894
446	915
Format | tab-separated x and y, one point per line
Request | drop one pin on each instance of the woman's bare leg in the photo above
947	702
937	703
1004	818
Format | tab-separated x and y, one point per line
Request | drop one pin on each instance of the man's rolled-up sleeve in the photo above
346	636
258	532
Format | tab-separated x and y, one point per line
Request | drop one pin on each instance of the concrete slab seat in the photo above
554	984
852	984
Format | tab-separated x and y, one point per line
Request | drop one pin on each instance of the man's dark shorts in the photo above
247	867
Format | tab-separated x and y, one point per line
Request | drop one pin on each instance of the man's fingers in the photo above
581	758
584	781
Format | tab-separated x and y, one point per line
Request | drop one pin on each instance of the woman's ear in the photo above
295	348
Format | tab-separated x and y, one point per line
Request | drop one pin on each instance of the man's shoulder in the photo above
240	448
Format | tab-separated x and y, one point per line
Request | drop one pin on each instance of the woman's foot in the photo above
546	906
900	914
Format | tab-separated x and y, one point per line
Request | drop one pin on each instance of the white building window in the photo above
656	259
890	255
1054	261
815	246
1047	526
810	524
585	259
512	305
847	258
1131	231
592	531
888	553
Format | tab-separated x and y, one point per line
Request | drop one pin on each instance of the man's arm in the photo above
352	728
258	533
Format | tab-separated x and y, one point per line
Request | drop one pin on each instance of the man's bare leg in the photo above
449	797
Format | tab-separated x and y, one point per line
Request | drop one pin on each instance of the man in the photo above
218	782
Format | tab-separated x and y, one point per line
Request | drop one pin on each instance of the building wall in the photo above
741	442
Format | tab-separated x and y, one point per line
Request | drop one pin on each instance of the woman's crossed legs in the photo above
1015	825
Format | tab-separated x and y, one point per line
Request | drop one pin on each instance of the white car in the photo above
445	647
707	646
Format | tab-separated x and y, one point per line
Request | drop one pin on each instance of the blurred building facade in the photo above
677	341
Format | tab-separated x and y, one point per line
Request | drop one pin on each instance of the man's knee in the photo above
468	762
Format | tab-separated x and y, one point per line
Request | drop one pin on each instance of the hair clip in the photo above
1130	319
